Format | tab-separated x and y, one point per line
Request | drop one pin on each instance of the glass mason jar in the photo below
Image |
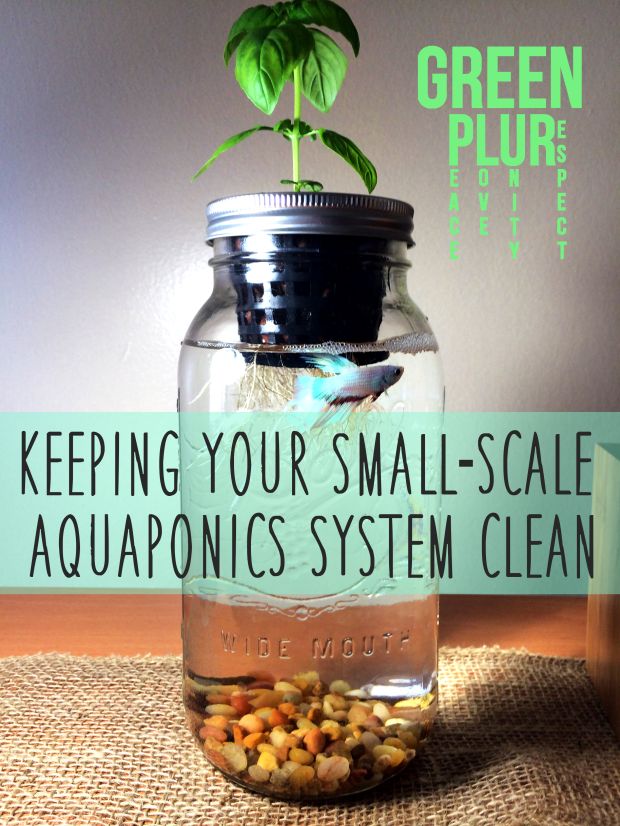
328	694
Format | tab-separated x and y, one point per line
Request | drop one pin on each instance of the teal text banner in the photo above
381	504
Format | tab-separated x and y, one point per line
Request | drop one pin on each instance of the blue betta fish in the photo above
337	394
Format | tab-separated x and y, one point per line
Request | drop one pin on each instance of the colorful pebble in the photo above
252	723
302	737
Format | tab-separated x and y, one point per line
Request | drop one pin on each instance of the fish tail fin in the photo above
327	363
307	393
334	414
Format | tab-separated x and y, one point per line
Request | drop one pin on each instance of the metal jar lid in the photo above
312	213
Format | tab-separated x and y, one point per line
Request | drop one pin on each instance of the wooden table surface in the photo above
140	624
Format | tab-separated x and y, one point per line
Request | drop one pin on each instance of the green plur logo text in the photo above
532	84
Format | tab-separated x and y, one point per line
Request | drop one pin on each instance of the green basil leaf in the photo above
312	186
252	18
283	126
281	9
266	58
323	71
231	46
304	128
286	127
228	144
352	155
328	14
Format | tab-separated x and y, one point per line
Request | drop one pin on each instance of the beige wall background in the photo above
107	107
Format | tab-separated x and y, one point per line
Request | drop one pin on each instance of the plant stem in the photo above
296	137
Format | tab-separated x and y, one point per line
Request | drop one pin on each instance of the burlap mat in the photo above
101	741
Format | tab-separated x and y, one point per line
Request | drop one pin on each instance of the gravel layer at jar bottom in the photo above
302	738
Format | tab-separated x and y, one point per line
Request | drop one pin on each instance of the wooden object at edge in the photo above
603	634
